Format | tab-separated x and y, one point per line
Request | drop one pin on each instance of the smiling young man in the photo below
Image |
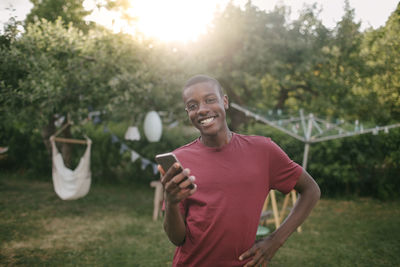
212	216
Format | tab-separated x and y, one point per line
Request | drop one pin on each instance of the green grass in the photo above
112	226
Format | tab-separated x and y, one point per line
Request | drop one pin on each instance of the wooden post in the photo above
70	140
158	198
275	208
275	211
265	207
284	207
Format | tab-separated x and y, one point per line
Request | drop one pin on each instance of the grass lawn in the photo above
112	226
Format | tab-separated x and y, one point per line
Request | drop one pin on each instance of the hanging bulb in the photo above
153	126
386	130
132	133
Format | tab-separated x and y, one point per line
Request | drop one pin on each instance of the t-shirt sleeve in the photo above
284	172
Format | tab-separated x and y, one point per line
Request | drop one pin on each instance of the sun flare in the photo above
180	20
166	20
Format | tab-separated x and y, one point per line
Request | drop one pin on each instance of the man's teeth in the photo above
206	121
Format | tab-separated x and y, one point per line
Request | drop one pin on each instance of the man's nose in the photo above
203	108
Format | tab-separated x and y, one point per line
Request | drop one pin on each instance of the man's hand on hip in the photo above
261	252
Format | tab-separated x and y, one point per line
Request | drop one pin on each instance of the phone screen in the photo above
167	160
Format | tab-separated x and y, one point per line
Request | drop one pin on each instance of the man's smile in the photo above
206	121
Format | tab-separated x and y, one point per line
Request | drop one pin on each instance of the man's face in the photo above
206	107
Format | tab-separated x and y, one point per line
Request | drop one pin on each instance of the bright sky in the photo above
184	20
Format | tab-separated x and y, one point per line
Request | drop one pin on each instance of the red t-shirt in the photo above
232	184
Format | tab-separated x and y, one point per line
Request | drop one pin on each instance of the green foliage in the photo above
69	11
380	88
60	71
53	70
261	60
26	152
46	58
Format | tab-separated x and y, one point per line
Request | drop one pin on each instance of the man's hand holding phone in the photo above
178	183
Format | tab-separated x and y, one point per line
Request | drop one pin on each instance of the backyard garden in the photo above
70	85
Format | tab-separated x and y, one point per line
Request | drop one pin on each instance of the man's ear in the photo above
226	102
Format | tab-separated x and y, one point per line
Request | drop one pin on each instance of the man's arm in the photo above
263	251
174	224
175	192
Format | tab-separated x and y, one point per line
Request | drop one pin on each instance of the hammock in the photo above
71	184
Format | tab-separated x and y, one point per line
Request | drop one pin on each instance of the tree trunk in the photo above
66	149
237	118
47	131
283	96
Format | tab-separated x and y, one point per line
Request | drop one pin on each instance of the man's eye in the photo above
192	106
211	100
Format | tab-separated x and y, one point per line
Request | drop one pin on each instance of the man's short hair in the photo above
201	78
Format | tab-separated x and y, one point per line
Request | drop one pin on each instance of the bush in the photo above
26	152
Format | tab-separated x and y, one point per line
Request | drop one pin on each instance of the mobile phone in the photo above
166	160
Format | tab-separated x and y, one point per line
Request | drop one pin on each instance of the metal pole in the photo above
307	142
270	123
305	155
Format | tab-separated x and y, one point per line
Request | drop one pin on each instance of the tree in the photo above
70	11
379	91
53	70
262	60
342	67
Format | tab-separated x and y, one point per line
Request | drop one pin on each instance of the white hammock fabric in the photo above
71	184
